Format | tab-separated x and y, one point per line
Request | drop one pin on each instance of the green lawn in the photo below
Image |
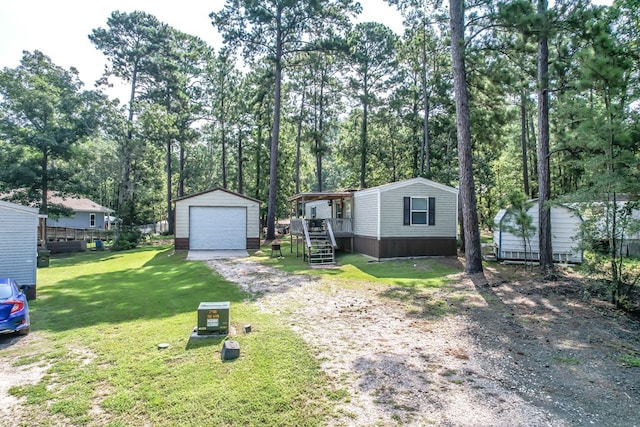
96	324
354	268
100	316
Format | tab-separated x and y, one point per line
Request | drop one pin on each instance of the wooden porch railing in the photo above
296	226
339	226
330	232
86	234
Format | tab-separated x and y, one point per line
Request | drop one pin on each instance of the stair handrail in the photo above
306	234
331	236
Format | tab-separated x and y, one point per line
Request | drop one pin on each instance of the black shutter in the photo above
407	211
432	211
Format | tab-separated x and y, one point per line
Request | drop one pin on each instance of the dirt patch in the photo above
12	375
498	352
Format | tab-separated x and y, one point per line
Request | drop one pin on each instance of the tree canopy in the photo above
300	97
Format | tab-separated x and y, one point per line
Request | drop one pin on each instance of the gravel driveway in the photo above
517	353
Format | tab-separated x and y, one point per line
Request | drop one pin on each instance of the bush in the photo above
128	238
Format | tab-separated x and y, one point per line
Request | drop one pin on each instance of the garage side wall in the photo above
18	245
216	199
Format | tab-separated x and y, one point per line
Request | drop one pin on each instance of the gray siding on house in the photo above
365	222
78	220
18	243
392	210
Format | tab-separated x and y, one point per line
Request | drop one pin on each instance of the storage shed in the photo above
18	242
217	219
565	236
415	217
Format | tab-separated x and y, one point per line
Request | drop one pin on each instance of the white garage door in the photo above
217	228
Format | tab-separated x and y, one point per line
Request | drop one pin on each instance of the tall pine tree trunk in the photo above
544	175
127	208
320	134
223	135
425	160
169	187
363	139
523	142
298	140
416	143
240	164
181	177
275	135
473	253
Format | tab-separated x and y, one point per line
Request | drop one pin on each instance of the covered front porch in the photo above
321	222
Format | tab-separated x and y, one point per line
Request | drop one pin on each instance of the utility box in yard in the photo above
213	318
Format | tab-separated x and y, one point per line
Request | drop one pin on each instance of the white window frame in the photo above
426	211
92	220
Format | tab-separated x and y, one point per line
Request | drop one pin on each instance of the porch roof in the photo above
322	195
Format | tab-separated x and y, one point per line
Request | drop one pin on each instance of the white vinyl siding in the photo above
365	214
565	230
217	198
18	243
392	211
318	209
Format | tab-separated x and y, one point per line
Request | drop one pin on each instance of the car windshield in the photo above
5	291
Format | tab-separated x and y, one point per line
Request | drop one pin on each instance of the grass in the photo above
631	360
100	316
98	319
356	268
567	360
410	281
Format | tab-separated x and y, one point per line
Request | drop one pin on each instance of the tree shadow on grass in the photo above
163	287
210	341
555	349
90	257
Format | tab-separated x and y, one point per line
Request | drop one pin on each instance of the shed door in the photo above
217	228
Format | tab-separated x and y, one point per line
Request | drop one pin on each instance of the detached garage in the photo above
217	219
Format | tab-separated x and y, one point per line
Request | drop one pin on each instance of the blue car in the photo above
14	310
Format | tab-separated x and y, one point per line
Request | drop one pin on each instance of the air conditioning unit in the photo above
213	318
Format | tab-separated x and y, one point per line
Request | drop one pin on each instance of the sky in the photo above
59	28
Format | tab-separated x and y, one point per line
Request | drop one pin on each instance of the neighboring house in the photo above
217	219
411	218
565	236
86	213
18	242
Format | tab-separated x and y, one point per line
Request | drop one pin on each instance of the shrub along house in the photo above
411	218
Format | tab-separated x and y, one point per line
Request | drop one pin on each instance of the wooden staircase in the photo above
321	250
